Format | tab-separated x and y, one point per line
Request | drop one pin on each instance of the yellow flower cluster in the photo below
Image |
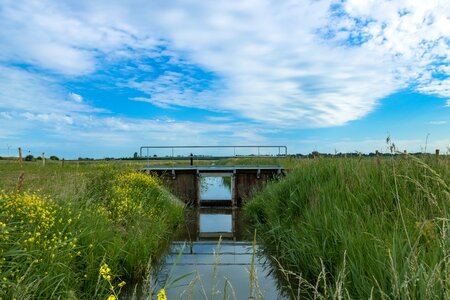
35	220
33	209
130	192
105	272
35	228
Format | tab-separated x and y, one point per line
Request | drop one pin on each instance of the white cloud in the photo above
76	97
58	38
272	59
413	35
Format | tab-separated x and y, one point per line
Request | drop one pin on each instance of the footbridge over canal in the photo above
185	181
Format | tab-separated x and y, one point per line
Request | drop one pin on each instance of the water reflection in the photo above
210	262
211	223
215	187
215	223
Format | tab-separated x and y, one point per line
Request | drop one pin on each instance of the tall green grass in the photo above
359	228
60	225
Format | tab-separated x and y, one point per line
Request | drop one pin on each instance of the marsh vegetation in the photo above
359	228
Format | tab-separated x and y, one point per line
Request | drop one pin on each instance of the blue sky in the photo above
102	78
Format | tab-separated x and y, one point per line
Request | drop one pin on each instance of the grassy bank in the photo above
358	228
79	231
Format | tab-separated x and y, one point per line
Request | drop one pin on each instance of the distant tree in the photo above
53	157
314	154
29	157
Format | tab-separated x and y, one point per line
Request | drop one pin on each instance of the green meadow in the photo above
334	228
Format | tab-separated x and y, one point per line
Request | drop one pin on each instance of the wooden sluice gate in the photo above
184	181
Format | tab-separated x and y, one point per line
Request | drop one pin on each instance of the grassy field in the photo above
359	228
334	227
82	230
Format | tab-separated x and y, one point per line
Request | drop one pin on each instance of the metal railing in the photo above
282	151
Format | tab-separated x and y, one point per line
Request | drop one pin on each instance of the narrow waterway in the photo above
214	255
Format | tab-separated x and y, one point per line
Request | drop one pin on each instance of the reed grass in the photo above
359	228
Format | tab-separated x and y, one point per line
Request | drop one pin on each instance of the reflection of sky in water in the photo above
215	223
213	188
233	262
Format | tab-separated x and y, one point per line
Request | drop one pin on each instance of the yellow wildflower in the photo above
121	284
105	272
162	294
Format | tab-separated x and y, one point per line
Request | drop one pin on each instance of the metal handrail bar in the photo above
280	154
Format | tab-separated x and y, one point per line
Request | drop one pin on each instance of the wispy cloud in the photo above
437	122
76	97
24	91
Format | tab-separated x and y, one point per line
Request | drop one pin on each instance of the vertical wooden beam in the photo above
43	159
233	188
437	152
236	187
233	223
197	188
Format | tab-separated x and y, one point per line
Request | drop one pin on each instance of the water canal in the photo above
214	255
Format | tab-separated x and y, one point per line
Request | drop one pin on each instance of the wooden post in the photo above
20	181
377	156
62	162
20	155
43	159
437	152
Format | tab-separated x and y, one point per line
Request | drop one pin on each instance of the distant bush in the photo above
29	157
53	157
